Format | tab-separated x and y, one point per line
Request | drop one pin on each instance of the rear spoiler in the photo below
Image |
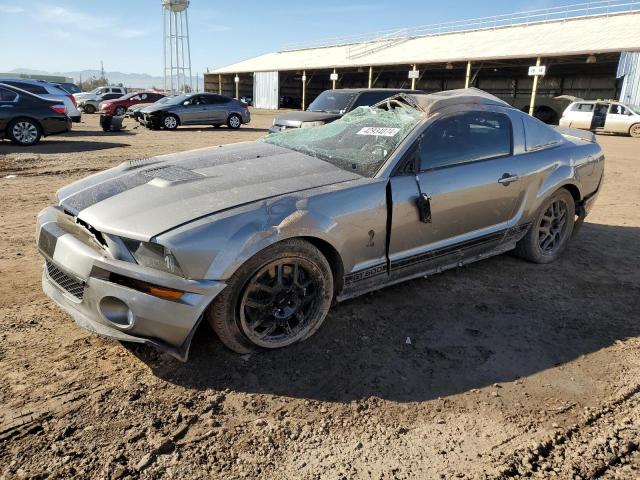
576	133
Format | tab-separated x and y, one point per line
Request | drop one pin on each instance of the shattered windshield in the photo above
331	101
360	141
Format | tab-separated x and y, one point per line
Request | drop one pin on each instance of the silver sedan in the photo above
196	109
259	238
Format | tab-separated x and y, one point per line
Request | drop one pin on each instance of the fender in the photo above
351	218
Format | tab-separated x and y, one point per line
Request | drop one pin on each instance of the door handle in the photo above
423	202
508	179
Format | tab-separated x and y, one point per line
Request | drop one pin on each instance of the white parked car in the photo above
100	91
49	91
602	116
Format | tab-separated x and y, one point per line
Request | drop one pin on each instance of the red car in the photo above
118	106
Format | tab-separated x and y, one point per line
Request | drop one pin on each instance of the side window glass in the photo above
35	89
618	110
465	137
584	107
7	95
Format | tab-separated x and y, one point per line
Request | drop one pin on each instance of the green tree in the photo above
93	82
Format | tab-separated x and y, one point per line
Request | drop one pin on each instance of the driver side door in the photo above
192	110
467	181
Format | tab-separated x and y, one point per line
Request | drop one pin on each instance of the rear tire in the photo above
634	131
170	122
278	297
550	231
24	132
234	121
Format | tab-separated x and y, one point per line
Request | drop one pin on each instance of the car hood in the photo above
294	119
142	199
139	106
156	108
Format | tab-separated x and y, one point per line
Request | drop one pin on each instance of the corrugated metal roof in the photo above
586	35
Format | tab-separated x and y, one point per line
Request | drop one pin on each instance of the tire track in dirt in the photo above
605	440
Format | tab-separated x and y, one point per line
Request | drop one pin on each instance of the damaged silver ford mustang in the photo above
261	237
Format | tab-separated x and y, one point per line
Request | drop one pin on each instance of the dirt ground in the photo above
512	370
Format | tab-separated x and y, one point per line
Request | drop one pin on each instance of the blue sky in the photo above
64	35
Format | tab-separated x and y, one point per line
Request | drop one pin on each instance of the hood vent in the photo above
171	174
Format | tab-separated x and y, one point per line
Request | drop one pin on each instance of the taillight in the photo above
73	99
59	108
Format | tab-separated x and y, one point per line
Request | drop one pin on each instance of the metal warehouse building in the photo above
589	50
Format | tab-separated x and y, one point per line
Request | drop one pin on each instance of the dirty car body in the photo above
425	183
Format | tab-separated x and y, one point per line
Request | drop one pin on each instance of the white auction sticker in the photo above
379	131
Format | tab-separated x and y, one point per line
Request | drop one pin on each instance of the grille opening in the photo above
64	281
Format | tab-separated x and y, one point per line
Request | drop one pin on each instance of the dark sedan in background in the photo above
25	117
196	109
330	105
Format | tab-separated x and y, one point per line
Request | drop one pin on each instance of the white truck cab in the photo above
99	92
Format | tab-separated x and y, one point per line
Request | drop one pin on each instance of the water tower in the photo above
177	52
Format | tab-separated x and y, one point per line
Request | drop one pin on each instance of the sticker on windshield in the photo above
379	131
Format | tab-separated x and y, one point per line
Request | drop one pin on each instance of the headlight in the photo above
311	124
153	255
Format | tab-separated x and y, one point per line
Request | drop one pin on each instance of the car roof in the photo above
431	102
375	90
32	81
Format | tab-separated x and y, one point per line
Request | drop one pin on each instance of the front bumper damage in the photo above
86	281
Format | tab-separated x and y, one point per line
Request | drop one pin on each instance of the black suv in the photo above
24	117
332	104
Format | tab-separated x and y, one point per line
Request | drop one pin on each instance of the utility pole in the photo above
101	69
534	90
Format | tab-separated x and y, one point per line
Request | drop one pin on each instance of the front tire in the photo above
170	122
24	132
279	297
550	231
234	121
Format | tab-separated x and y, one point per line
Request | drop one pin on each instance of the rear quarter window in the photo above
538	135
7	95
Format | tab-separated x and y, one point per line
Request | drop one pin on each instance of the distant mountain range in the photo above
139	80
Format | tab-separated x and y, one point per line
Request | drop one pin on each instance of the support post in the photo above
219	84
467	79
237	82
304	88
333	82
370	77
413	80
532	103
